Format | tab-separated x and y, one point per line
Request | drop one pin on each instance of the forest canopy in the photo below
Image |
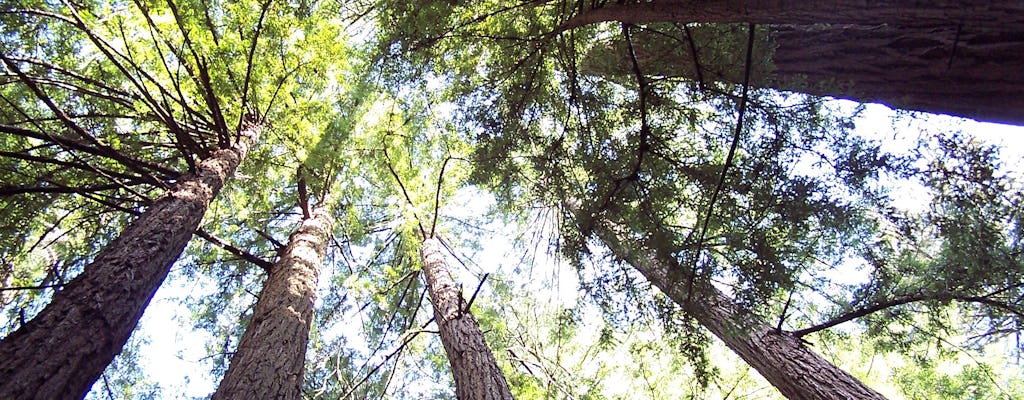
496	200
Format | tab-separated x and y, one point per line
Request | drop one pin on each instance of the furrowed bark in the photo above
476	371
270	357
969	74
1006	15
781	358
65	348
943	70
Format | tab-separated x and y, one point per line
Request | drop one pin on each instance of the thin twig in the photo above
404	192
693	54
230	248
475	292
37	287
437	195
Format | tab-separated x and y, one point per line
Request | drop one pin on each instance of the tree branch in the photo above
38	287
230	248
728	161
404	192
437	195
862	312
71	144
8	190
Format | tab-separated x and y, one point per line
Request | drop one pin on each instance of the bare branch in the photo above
865	311
39	287
437	195
138	166
404	192
230	248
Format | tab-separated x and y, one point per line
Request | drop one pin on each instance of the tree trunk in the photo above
965	69
975	75
477	376
270	358
781	358
64	349
1005	15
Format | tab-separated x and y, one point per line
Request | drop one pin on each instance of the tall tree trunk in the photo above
781	358
64	349
477	376
270	358
1004	15
969	74
967	69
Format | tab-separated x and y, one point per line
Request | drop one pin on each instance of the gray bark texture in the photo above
65	348
968	74
947	57
781	358
1003	15
269	362
476	371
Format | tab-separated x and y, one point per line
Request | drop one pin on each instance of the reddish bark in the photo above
947	57
1006	15
968	74
65	348
271	355
476	371
781	358
937	70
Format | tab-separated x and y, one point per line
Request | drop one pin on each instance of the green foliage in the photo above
543	122
106	104
638	138
953	267
972	382
123	378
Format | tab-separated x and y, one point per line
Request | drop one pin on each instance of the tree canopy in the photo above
635	200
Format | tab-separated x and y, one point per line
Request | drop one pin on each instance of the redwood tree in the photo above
944	69
1004	15
64	349
780	357
270	358
477	375
941	69
946	57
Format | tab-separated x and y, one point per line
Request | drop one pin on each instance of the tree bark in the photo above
938	65
64	349
969	74
938	70
781	358
271	355
1005	15
477	376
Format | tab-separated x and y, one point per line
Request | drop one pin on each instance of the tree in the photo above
475	369
999	15
270	357
477	375
943	57
92	105
934	69
97	311
780	357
